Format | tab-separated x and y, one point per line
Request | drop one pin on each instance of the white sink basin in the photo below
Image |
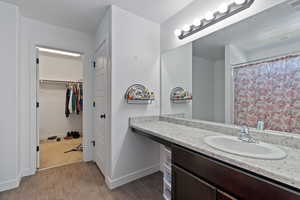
233	145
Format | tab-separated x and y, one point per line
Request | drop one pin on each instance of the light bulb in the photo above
209	16
186	27
177	32
223	8
239	2
197	22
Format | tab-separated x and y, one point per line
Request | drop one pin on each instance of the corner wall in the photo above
135	59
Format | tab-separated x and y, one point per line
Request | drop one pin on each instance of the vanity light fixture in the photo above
209	16
223	8
224	11
186	28
178	32
197	22
239	2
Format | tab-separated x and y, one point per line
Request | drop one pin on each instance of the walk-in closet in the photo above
60	107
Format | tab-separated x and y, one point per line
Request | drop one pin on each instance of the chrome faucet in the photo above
245	135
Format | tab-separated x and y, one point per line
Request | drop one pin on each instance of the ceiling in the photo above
84	15
265	30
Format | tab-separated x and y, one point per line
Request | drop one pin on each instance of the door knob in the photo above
102	116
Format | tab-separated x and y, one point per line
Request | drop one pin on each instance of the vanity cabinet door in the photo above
224	196
186	186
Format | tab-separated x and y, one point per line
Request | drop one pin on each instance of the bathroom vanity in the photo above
202	172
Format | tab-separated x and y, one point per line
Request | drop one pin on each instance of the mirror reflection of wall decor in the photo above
139	94
179	95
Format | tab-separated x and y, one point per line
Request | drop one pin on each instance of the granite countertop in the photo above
286	170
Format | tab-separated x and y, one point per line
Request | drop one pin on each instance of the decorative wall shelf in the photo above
139	94
179	95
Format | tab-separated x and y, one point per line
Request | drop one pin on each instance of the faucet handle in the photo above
245	130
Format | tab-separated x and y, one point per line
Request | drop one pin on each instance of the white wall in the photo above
176	71
219	91
203	89
59	67
35	33
282	49
196	10
9	142
52	97
135	59
208	89
237	55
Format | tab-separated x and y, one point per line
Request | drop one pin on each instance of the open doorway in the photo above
60	107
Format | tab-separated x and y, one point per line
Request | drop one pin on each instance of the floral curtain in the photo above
268	91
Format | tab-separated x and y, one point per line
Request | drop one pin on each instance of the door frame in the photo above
85	114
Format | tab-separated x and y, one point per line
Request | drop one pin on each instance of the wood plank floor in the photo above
82	181
52	153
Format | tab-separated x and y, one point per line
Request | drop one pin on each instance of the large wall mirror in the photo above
245	74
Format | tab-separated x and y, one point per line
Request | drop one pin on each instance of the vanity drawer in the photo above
190	187
240	184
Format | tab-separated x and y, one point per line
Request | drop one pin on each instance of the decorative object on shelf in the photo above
139	94
179	95
224	11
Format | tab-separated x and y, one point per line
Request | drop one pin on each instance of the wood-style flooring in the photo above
82	181
52	153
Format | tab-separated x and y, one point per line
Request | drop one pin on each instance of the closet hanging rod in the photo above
58	81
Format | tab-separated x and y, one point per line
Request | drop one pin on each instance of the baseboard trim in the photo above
28	172
10	184
114	183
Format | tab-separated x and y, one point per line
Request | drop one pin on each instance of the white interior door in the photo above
100	106
37	110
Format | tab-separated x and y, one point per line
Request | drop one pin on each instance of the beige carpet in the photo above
52	153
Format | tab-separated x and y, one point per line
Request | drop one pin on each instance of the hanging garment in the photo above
67	111
78	100
74	99
81	98
70	99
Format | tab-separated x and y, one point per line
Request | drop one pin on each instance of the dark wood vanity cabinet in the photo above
224	196
198	177
188	186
